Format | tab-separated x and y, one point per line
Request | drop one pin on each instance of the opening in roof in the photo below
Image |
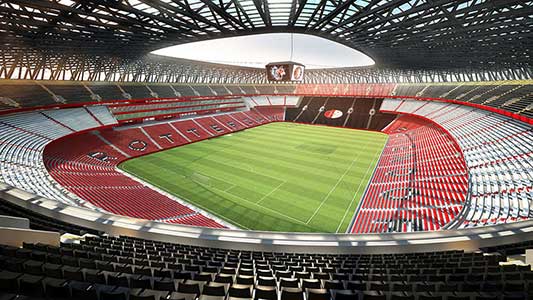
258	50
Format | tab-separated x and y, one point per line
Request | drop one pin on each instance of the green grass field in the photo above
276	177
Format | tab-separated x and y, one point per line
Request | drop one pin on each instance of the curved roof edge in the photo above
42	65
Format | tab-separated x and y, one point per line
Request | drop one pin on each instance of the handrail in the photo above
469	239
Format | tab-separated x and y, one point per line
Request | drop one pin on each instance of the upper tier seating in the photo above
87	168
355	112
249	89
272	100
498	151
201	90
25	95
514	96
137	91
420	182
73	119
70	93
220	90
174	107
364	89
102	115
185	90
132	268
162	91
24	137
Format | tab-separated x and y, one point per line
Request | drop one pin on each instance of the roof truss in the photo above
428	34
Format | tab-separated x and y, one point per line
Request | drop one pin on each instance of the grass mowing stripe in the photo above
164	189
267	208
275	189
370	166
234	156
270	177
334	187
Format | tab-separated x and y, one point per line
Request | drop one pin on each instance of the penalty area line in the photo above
264	207
355	194
192	203
336	184
271	192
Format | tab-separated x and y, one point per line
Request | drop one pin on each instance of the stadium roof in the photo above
406	34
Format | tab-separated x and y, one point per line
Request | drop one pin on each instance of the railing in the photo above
467	239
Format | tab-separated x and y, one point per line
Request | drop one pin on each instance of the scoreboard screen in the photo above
285	71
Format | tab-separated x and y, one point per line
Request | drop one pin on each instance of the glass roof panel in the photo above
258	50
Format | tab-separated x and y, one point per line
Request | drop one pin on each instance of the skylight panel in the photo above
315	52
66	2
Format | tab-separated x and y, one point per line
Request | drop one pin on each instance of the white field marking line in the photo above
216	178
191	203
271	192
336	184
232	186
251	169
274	211
255	203
357	191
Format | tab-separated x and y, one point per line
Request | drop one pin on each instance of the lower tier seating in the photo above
271	113
86	164
498	152
24	137
420	182
124	268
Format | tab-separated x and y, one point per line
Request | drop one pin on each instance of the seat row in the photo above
420	182
106	267
497	152
88	168
24	137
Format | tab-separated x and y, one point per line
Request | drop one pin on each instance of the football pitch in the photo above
275	177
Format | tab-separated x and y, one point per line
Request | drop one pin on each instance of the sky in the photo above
258	50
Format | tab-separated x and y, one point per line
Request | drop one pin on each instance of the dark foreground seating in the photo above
127	268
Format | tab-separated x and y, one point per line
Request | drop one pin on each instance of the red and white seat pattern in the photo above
420	182
498	152
271	113
24	137
86	164
363	89
254	101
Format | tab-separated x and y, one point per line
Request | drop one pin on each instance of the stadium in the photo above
127	174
